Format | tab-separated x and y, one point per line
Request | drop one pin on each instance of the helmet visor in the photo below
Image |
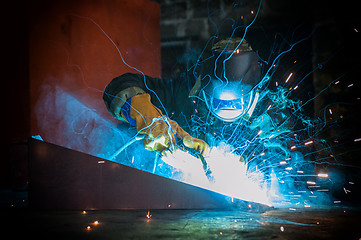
219	104
227	106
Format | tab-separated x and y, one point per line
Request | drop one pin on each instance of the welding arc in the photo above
207	170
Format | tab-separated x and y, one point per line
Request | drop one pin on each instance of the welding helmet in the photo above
230	78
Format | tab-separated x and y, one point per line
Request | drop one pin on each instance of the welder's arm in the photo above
161	132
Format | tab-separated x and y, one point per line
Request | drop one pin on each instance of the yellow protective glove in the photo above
160	131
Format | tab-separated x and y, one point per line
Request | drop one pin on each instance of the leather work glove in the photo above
161	132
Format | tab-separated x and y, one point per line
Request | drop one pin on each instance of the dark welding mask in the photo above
230	78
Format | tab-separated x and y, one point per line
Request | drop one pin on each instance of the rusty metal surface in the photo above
62	178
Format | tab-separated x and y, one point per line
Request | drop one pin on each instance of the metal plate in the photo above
61	178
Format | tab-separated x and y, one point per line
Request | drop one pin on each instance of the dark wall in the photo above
15	95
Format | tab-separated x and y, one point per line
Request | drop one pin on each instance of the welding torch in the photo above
207	170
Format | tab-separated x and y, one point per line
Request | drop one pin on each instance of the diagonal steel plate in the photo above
61	178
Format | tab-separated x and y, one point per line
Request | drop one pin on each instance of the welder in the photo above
130	98
225	91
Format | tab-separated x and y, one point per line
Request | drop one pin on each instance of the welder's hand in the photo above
161	132
196	144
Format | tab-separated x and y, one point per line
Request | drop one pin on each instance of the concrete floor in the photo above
181	224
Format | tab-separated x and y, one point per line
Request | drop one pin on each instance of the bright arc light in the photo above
230	175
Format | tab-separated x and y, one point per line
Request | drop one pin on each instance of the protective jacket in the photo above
170	96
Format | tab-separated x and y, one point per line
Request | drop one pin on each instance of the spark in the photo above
288	78
149	216
346	191
309	142
350	85
322	175
357	140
